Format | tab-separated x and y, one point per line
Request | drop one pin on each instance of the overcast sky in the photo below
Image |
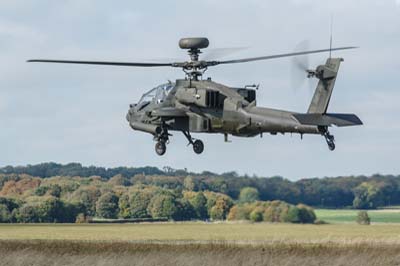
74	113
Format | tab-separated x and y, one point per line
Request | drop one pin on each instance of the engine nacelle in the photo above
201	97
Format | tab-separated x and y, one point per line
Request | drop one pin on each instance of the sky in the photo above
75	113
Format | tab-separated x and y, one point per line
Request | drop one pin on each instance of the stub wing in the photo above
169	112
340	120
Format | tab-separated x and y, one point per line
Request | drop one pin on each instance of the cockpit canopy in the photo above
158	94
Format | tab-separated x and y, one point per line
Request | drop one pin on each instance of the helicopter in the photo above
196	105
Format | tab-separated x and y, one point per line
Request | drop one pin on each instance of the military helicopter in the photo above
194	104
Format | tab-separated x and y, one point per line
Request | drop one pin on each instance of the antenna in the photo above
330	41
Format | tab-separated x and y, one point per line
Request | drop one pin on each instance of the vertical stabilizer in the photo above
327	76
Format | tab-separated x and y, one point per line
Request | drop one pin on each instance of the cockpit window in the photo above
162	92
158	94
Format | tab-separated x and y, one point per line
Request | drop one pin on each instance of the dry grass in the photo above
37	252
200	244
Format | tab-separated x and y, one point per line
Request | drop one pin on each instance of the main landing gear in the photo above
163	139
198	145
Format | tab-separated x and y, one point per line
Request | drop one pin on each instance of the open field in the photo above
349	216
215	254
199	244
199	231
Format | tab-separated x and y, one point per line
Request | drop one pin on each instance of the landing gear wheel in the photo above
330	140
331	146
161	148
198	146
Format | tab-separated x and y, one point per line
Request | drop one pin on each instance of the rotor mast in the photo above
194	68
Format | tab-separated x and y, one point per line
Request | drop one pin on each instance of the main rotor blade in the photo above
244	60
103	63
215	53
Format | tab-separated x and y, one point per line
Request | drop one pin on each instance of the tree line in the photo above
361	192
27	199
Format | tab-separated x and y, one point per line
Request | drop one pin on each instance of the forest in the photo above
52	192
27	199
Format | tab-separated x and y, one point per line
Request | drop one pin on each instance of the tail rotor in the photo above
300	69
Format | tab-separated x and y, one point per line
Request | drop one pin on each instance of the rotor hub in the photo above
194	66
193	43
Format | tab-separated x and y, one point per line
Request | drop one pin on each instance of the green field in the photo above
349	216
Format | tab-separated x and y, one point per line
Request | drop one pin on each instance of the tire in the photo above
198	146
331	146
160	148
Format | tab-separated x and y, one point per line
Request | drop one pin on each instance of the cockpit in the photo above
157	95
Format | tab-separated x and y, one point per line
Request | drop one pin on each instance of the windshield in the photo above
158	94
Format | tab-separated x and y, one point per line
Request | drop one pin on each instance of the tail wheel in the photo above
331	146
330	140
198	146
160	148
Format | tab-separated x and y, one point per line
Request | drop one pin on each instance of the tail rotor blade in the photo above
300	65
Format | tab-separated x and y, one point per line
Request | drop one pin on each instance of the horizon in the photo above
189	171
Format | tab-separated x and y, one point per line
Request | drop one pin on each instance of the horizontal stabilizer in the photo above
340	120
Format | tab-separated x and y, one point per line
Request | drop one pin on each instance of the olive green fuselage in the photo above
206	106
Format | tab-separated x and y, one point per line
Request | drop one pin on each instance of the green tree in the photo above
51	210
221	208
55	190
188	183
163	206
363	218
5	215
40	191
306	214
199	203
211	199
139	203
248	194
123	206
11	204
368	195
27	214
88	196
257	215
293	215
119	180
240	212
107	206
71	211
185	211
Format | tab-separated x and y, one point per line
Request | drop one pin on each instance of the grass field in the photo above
349	216
342	242
199	231
199	243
